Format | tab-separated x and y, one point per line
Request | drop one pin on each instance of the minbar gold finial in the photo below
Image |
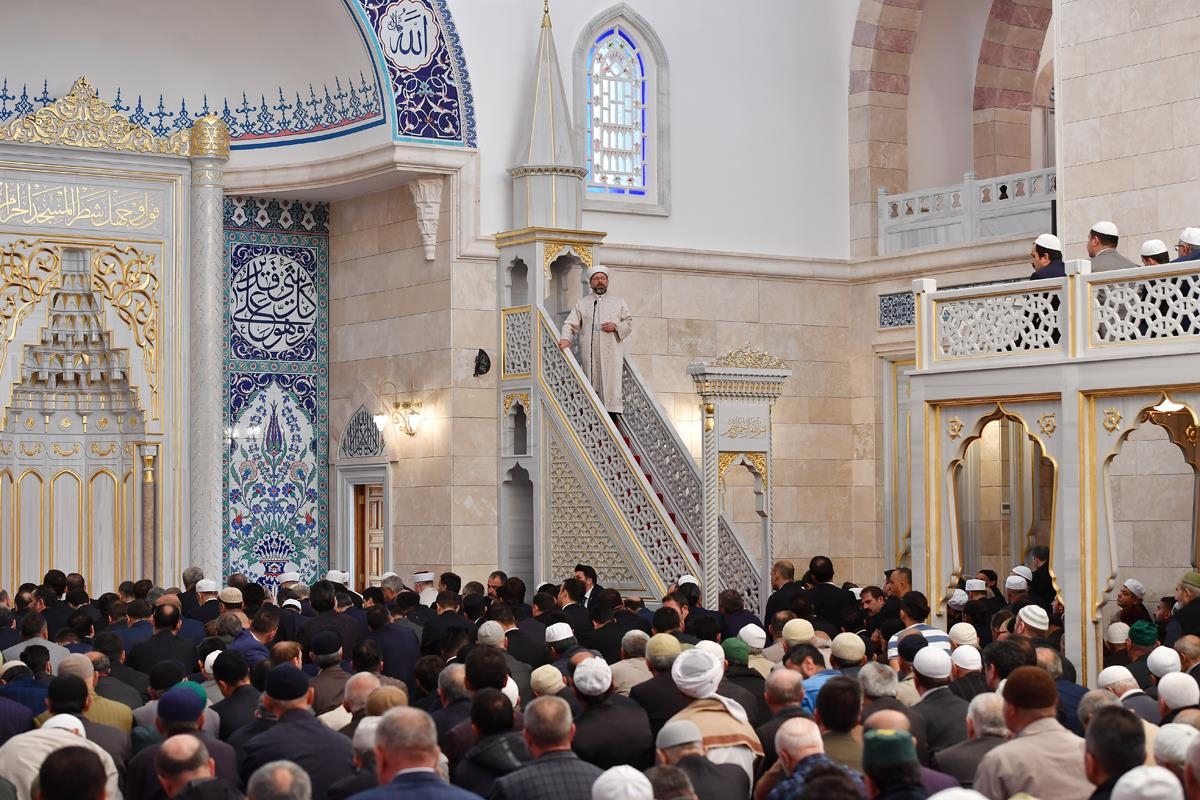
210	137
546	14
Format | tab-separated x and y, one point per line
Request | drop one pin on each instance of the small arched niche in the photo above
1004	488
516	283
1152	488
516	425
516	523
566	285
744	506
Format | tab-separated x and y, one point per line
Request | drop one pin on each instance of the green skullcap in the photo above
736	651
1143	633
885	747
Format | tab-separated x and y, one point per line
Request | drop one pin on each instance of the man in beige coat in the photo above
602	322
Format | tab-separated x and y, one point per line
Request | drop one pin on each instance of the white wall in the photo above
758	117
941	93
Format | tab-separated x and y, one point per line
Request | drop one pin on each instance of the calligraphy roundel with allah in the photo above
409	35
273	302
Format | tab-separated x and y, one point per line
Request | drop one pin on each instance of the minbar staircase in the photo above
662	498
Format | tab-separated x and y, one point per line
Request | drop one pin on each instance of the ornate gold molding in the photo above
555	249
66	452
209	137
1047	423
101	452
516	397
746	357
35	450
954	428
1112	419
745	428
81	119
758	462
126	277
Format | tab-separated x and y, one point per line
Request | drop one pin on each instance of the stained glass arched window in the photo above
616	114
621	77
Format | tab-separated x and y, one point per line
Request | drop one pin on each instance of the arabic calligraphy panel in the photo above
57	204
275	301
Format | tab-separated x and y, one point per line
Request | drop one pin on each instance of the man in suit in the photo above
297	736
607	734
406	760
829	601
110	645
520	646
1121	683
591	589
1188	248
209	607
449	616
492	635
164	645
570	600
108	686
784	694
329	685
659	696
190	598
180	711
555	773
605	635
985	731
945	712
1188	648
323	598
785	588
399	646
1101	249
680	744
232	676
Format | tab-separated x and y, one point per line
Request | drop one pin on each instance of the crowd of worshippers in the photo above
444	690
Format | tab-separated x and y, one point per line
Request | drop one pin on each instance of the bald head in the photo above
785	687
358	689
1188	648
796	739
180	760
886	720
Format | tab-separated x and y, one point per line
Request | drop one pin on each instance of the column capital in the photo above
209	138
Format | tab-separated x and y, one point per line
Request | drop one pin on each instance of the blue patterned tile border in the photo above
897	310
269	214
276	354
339	107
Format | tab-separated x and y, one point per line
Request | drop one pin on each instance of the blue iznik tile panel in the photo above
430	86
276	349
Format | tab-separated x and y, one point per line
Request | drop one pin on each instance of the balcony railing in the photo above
976	209
1083	316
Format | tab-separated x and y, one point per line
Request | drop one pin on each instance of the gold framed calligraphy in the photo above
69	205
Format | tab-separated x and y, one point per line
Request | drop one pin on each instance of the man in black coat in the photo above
454	700
786	588
570	600
608	735
348	629
110	645
555	771
605	635
680	744
398	644
829	601
784	694
164	645
326	755
448	616
518	645
232	676
108	686
499	751
209	607
659	696
591	588
180	711
945	712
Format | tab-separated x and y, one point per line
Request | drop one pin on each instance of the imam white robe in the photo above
601	354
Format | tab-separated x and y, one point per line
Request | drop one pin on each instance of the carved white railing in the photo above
1118	313
642	515
516	356
675	472
1008	205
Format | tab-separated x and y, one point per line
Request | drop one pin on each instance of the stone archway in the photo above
1005	76
880	57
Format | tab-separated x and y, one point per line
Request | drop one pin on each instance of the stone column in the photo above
712	511
209	152
149	514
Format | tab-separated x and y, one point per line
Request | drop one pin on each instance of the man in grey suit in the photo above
1101	248
986	729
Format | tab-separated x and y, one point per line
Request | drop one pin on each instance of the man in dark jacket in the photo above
180	711
555	772
164	645
298	736
232	676
985	731
680	744
828	600
184	766
499	749
945	713
398	643
1046	258
348	629
606	734
659	696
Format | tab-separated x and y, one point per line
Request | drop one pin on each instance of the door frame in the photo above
341	539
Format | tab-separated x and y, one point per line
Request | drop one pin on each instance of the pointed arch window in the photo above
621	74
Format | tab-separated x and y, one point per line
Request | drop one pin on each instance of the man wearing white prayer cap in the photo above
622	783
22	755
1046	258
1129	600
1188	248
1101	248
1171	746
1153	252
602	322
1176	691
1015	588
723	723
1147	783
423	586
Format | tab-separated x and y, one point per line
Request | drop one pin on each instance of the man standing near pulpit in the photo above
603	322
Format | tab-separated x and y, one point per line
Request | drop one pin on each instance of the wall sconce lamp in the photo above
404	414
